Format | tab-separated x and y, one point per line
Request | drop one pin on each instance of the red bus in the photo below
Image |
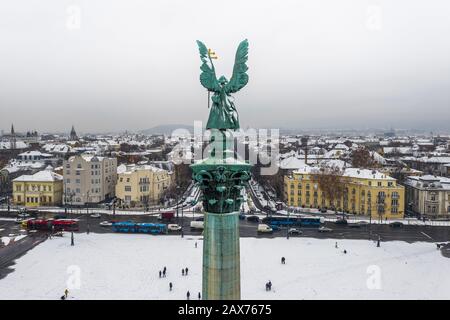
53	225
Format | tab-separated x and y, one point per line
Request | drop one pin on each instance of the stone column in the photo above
221	262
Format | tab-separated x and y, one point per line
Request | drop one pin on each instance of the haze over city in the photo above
115	65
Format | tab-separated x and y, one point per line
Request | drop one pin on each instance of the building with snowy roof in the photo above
141	185
89	179
43	188
428	195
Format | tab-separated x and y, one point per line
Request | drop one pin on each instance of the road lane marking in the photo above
426	235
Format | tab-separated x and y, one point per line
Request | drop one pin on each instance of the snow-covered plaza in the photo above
126	266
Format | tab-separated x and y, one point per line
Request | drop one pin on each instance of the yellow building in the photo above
43	188
357	191
141	185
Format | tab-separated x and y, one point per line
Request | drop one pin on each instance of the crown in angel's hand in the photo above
212	54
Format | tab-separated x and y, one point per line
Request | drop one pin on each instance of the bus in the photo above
65	225
52	224
133	227
282	221
297	221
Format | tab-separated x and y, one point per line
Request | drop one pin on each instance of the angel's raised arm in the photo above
208	76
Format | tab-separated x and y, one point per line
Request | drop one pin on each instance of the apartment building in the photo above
357	191
44	188
141	185
89	179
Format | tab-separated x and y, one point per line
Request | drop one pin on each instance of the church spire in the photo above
73	134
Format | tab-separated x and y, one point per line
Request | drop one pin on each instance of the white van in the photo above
197	225
264	228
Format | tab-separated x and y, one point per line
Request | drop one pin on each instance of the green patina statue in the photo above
223	114
221	177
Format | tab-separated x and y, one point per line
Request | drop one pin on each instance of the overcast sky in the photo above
107	65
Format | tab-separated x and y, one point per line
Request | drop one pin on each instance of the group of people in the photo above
184	272
162	274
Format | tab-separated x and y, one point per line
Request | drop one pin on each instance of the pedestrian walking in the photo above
186	271
182	272
66	293
283	260
160	273
195	244
164	273
335	245
345	251
188	294
170	286
270	285
199	296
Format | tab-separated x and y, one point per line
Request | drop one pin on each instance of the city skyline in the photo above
107	67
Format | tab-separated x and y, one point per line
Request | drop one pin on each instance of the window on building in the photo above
380	183
18	188
127	188
77	173
68	165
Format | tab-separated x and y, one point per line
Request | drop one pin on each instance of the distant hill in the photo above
167	129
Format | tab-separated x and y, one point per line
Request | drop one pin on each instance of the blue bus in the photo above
133	227
282	221
296	221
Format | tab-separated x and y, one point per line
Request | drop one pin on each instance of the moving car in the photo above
253	219
264	228
173	227
325	229
294	231
105	224
197	225
95	215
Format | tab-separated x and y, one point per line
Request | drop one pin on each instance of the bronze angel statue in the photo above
223	113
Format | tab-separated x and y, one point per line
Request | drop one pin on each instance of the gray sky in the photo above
134	64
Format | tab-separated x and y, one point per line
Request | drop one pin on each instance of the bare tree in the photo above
331	182
361	158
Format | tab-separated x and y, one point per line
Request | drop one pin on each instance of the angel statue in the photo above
223	114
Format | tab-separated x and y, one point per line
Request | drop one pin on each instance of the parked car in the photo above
354	225
323	210
105	224
396	224
363	223
325	229
60	216
241	216
341	221
264	228
23	215
253	219
294	231
174	227
200	219
95	215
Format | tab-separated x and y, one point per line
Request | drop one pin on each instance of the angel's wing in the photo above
239	78
208	76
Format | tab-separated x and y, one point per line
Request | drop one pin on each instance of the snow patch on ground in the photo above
125	266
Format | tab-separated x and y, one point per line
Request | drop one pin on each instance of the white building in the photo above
89	179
